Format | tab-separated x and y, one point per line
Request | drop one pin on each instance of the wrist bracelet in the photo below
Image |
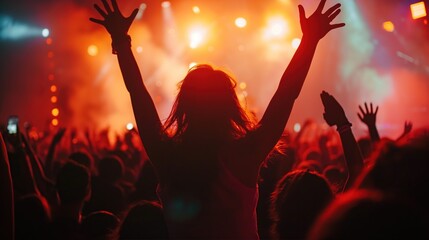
118	41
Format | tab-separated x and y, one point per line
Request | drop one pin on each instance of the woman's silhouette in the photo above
207	154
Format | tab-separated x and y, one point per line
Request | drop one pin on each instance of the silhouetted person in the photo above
74	188
143	220
300	196
369	215
107	194
208	153
99	225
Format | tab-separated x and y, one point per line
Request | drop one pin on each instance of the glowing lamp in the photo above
388	26
418	10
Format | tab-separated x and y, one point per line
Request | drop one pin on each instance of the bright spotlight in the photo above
196	36
418	10
297	127
92	50
166	4
277	27
242	85
295	43
196	9
54	122
388	26
130	126
55	112
45	32
240	22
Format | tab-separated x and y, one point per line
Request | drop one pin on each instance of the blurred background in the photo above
57	67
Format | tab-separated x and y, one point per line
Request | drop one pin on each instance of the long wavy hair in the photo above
207	100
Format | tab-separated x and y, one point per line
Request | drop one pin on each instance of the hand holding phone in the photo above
12	125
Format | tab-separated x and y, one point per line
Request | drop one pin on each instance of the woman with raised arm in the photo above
207	154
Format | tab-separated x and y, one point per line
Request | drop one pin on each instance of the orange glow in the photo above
197	35
49	41
240	22
277	27
295	43
51	77
54	122
418	10
196	9
388	26
54	99
92	50
55	112
50	54
53	88
242	85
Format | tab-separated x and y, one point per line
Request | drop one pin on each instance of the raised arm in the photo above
147	119
278	111
6	193
334	115
369	116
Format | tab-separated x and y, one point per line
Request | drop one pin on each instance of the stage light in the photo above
388	26
240	22
166	4
196	9
295	43
54	122
92	50
139	49
54	99
48	41
277	27
418	10
130	126
45	32
297	127
53	88
55	112
196	36
242	85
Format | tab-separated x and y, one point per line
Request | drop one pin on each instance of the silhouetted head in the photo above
360	214
110	169
32	217
207	102
400	168
73	183
83	158
296	202
99	225
144	220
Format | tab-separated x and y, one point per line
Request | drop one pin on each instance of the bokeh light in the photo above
240	22
92	50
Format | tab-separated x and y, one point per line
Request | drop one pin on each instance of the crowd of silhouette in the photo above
211	171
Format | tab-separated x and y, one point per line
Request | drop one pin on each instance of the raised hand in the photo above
334	112
319	24
113	20
408	126
369	118
369	115
58	136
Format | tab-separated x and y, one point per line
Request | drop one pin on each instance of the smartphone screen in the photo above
12	125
